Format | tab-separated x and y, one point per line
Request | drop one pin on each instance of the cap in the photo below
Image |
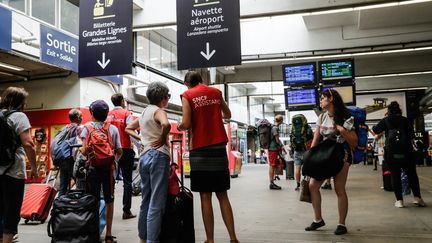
99	108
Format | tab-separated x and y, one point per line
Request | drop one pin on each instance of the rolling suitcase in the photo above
289	170
74	219
178	220
38	200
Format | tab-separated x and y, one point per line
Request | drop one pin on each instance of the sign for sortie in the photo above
5	29
59	49
208	33
105	42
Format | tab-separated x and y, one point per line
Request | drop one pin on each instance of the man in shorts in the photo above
273	152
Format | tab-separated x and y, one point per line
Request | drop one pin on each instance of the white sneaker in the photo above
419	202
399	204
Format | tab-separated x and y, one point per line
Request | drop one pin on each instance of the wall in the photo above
51	94
94	89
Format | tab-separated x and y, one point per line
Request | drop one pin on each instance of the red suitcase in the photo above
38	201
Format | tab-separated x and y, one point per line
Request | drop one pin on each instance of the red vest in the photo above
207	125
117	117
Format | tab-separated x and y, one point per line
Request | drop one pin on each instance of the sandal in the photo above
110	239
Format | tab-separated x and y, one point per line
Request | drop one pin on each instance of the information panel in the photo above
208	33
299	74
5	29
105	43
334	70
301	99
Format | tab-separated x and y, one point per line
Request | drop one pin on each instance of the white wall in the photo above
51	94
94	89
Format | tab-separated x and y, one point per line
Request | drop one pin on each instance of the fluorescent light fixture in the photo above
372	6
388	90
369	53
11	67
393	75
173	27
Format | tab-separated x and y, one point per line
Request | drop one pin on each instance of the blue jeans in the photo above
154	171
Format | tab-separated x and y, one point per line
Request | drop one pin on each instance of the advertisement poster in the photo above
376	104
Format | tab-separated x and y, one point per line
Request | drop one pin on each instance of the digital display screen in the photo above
346	92
301	98
334	70
299	73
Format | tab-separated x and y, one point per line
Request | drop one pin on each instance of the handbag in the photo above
305	195
323	161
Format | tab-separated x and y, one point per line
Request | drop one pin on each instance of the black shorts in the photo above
209	169
101	178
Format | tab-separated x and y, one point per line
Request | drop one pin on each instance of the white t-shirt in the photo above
328	128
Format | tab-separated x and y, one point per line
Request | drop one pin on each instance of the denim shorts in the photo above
298	157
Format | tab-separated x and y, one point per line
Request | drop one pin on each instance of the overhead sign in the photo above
105	42
59	49
5	29
208	33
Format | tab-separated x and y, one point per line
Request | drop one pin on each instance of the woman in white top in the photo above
154	161
330	125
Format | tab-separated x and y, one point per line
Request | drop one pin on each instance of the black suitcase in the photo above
178	220
289	170
74	219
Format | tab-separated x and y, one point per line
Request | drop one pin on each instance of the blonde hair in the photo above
279	118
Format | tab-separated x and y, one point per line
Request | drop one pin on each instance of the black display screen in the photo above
346	92
299	74
301	99
336	70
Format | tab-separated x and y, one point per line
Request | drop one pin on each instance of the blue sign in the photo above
5	29
59	49
117	79
105	42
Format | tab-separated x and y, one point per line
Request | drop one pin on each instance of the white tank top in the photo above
151	131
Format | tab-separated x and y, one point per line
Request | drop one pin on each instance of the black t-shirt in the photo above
395	121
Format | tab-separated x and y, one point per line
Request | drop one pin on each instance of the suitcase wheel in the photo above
43	221
26	221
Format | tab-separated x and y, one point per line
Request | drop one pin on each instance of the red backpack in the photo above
99	147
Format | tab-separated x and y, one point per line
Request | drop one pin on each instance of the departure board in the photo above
299	74
334	70
301	98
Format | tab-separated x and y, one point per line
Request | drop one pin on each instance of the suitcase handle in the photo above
180	159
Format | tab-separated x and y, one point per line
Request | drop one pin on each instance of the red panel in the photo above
54	117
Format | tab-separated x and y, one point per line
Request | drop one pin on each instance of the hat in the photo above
99	110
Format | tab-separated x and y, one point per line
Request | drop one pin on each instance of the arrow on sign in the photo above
209	54
104	63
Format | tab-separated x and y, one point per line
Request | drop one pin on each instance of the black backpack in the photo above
9	141
264	133
397	142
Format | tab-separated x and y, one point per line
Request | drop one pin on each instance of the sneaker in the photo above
274	186
326	187
340	230
399	204
297	188
277	178
419	202
128	215
315	225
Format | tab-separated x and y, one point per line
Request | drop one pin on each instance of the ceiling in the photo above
33	69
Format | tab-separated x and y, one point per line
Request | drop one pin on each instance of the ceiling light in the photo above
173	27
11	67
393	75
388	90
345	55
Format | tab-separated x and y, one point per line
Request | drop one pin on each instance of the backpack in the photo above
9	141
60	146
264	133
301	132
99	147
397	142
361	130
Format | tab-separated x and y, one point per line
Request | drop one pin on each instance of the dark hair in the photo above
14	98
117	99
341	113
193	78
74	115
156	92
394	109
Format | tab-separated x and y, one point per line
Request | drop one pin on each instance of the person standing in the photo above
154	161
274	151
300	136
66	167
398	152
203	110
102	175
121	118
13	175
330	125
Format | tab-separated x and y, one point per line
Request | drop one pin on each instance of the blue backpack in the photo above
60	146
361	130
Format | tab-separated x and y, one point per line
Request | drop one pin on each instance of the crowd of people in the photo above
201	105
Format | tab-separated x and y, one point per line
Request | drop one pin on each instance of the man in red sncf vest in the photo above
121	117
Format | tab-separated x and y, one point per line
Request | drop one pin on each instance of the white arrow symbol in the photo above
104	63
208	55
